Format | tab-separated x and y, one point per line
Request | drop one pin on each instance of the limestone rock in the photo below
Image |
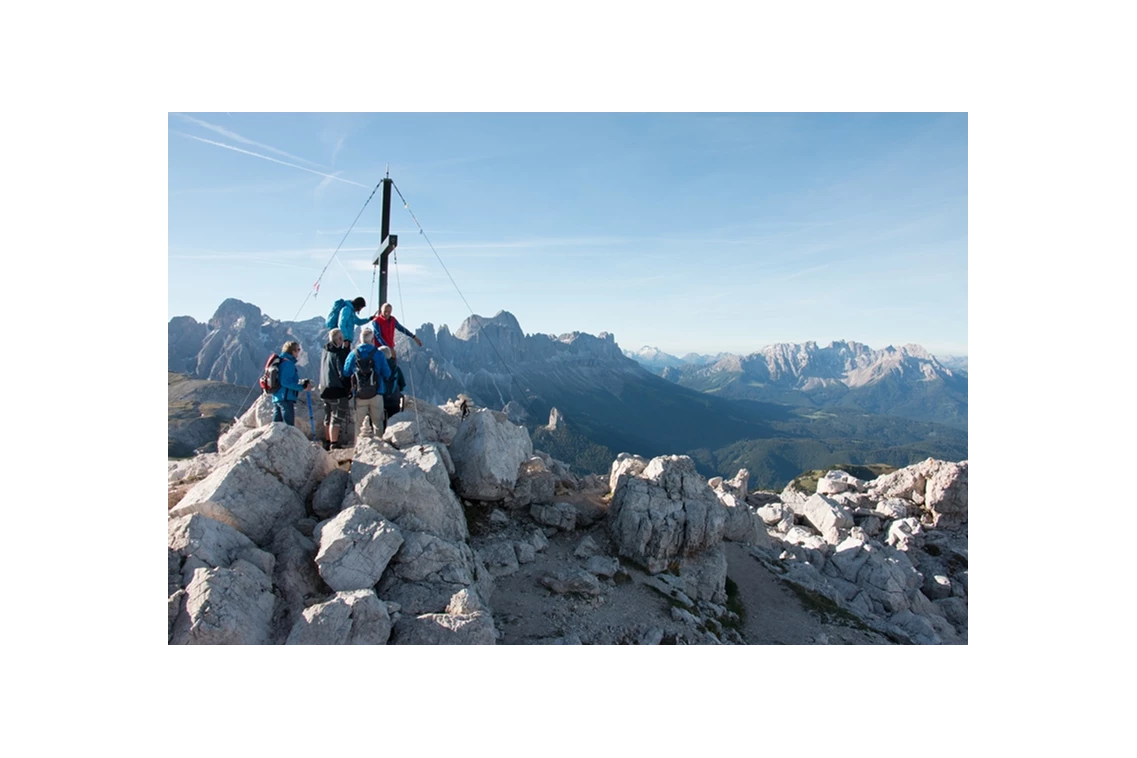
329	495
526	553
946	495
357	617
427	571
500	557
539	540
488	452
892	508
586	548
411	489
213	544
226	606
355	548
602	565
665	512
905	533
578	582
827	517
937	587
418	423
295	577
535	484
245	497
559	515
445	629
625	464
465	602
771	513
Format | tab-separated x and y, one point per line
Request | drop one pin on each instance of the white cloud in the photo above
243	140
267	158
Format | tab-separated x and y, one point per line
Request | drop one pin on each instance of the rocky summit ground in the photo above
632	607
451	529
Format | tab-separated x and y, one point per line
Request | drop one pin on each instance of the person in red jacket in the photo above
385	326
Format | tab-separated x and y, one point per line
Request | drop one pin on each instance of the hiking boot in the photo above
325	444
340	445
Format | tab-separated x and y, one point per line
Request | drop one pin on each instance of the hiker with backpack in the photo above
369	373
335	389
343	316
282	379
385	326
393	397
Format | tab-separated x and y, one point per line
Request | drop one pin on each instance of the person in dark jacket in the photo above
284	399
335	389
393	397
348	320
369	398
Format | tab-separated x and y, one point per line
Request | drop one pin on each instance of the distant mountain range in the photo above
609	400
655	360
906	381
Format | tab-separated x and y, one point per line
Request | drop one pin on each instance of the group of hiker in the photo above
367	375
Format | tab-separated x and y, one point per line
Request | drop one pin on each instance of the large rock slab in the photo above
210	544
355	548
226	606
907	483
420	422
287	454
488	452
535	484
445	629
244	496
827	517
743	524
358	617
427	571
411	489
665	512
946	495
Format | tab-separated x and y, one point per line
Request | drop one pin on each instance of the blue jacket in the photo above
348	322
290	387
367	350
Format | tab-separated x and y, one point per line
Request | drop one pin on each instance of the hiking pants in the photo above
372	407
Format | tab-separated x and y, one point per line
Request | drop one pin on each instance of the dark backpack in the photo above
334	316
270	379
364	377
397	383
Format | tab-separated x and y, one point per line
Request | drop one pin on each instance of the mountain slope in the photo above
609	401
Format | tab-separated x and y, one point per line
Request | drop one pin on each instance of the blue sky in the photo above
689	232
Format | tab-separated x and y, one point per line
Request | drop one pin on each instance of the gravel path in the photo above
775	614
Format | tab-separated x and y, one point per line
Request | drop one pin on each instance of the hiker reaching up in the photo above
284	399
385	326
369	373
347	320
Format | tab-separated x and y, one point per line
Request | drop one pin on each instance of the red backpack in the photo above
270	379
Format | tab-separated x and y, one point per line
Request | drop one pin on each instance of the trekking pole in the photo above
311	419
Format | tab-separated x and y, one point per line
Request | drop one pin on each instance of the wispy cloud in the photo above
323	185
256	188
307	253
267	158
805	272
406	233
405	269
244	140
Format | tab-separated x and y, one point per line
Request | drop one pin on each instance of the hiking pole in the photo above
311	419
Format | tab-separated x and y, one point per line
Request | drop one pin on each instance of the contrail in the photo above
245	140
267	158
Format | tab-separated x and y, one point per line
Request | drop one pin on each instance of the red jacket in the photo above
385	332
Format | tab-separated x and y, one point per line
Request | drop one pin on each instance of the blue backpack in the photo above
334	316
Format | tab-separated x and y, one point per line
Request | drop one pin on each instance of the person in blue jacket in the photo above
348	320
368	388
284	399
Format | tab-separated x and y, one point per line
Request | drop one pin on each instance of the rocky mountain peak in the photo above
503	321
236	314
